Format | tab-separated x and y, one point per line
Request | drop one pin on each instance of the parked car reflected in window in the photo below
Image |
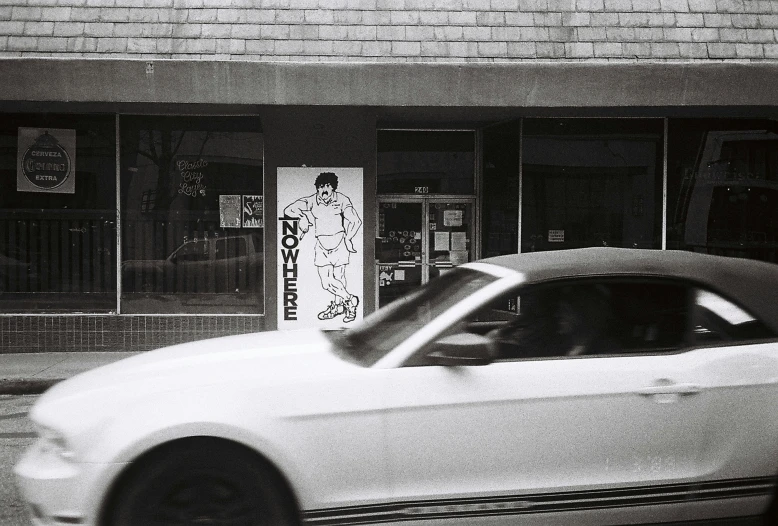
216	265
186	247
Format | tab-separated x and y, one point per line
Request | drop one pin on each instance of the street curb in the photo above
26	386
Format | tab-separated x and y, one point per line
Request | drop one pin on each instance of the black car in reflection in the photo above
213	264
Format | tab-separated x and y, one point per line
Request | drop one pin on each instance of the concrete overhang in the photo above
431	85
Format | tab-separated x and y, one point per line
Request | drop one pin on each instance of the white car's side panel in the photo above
741	384
327	437
524	428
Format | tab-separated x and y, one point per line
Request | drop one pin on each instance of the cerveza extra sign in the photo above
46	160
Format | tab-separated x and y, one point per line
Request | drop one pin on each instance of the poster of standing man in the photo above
320	254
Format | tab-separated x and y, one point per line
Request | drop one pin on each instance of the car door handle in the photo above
669	388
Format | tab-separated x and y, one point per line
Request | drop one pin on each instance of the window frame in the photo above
242	123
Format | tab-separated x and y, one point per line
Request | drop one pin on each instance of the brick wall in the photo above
393	30
52	333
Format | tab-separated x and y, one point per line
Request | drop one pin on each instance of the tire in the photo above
770	517
202	482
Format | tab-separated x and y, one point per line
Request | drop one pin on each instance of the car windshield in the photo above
386	328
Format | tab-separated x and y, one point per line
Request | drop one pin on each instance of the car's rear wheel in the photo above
202	482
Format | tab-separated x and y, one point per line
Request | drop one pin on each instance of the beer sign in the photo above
46	160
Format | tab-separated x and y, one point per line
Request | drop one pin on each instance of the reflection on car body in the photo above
421	413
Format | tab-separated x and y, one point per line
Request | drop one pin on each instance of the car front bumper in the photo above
61	492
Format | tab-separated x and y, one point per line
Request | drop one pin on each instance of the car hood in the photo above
269	358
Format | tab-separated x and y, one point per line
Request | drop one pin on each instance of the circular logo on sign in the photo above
46	164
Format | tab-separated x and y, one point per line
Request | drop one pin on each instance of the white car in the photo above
478	399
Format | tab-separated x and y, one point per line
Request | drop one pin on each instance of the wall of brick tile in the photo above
52	333
393	30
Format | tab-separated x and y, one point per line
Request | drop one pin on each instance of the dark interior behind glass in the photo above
591	182
192	205
58	250
426	162
722	187
500	210
601	317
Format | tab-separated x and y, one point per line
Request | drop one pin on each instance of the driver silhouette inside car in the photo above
572	321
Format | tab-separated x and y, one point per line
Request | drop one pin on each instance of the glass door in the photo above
398	249
418	239
449	234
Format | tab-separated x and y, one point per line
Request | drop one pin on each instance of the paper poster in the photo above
46	161
458	240
453	217
385	276
441	241
229	211
556	236
320	247
458	257
253	211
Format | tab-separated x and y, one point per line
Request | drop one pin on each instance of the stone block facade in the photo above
393	30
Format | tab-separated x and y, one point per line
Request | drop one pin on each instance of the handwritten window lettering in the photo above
192	177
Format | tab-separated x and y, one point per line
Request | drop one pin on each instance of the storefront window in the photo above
57	213
192	215
591	182
723	187
501	190
426	162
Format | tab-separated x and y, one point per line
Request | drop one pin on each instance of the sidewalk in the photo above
32	373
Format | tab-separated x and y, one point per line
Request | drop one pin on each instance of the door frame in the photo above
426	200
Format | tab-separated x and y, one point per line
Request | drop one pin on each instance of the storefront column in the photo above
328	137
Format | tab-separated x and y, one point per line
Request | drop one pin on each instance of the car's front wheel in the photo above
202	482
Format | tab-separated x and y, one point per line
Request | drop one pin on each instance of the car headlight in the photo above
53	442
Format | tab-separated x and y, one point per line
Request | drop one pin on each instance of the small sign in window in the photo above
556	236
253	207
229	211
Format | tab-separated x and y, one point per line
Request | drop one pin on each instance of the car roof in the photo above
751	284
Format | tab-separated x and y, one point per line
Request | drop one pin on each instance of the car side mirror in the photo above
462	349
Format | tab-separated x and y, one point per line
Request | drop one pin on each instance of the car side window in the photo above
717	319
586	318
193	251
652	315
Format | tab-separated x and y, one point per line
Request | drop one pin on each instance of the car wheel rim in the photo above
206	500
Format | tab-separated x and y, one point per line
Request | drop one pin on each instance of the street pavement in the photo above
32	373
54	365
16	434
